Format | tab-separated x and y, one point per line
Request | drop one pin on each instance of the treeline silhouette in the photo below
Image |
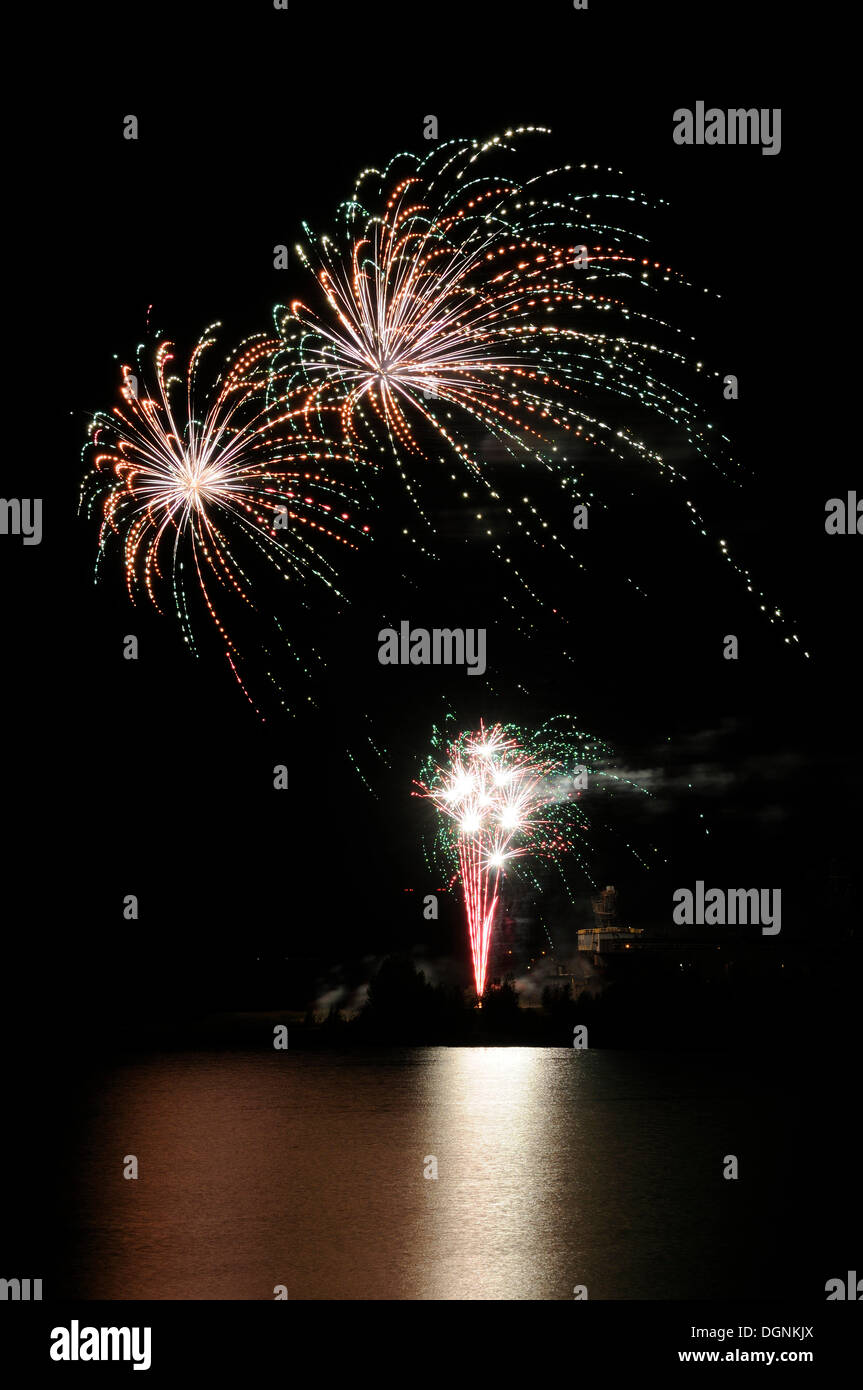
661	1011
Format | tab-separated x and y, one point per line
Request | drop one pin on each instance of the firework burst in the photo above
465	322
503	796
209	488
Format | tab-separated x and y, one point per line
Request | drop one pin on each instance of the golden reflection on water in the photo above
488	1222
555	1168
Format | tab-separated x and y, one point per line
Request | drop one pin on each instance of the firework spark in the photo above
502	796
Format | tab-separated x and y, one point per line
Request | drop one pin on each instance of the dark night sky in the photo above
155	777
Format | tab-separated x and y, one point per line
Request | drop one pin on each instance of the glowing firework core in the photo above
491	790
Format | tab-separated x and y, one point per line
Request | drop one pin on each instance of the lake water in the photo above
556	1168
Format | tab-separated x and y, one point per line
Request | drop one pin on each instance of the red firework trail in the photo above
481	900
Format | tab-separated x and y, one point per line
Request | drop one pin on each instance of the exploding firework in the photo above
504	796
493	332
473	326
210	488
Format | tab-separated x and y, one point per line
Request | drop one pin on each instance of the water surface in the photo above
556	1168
